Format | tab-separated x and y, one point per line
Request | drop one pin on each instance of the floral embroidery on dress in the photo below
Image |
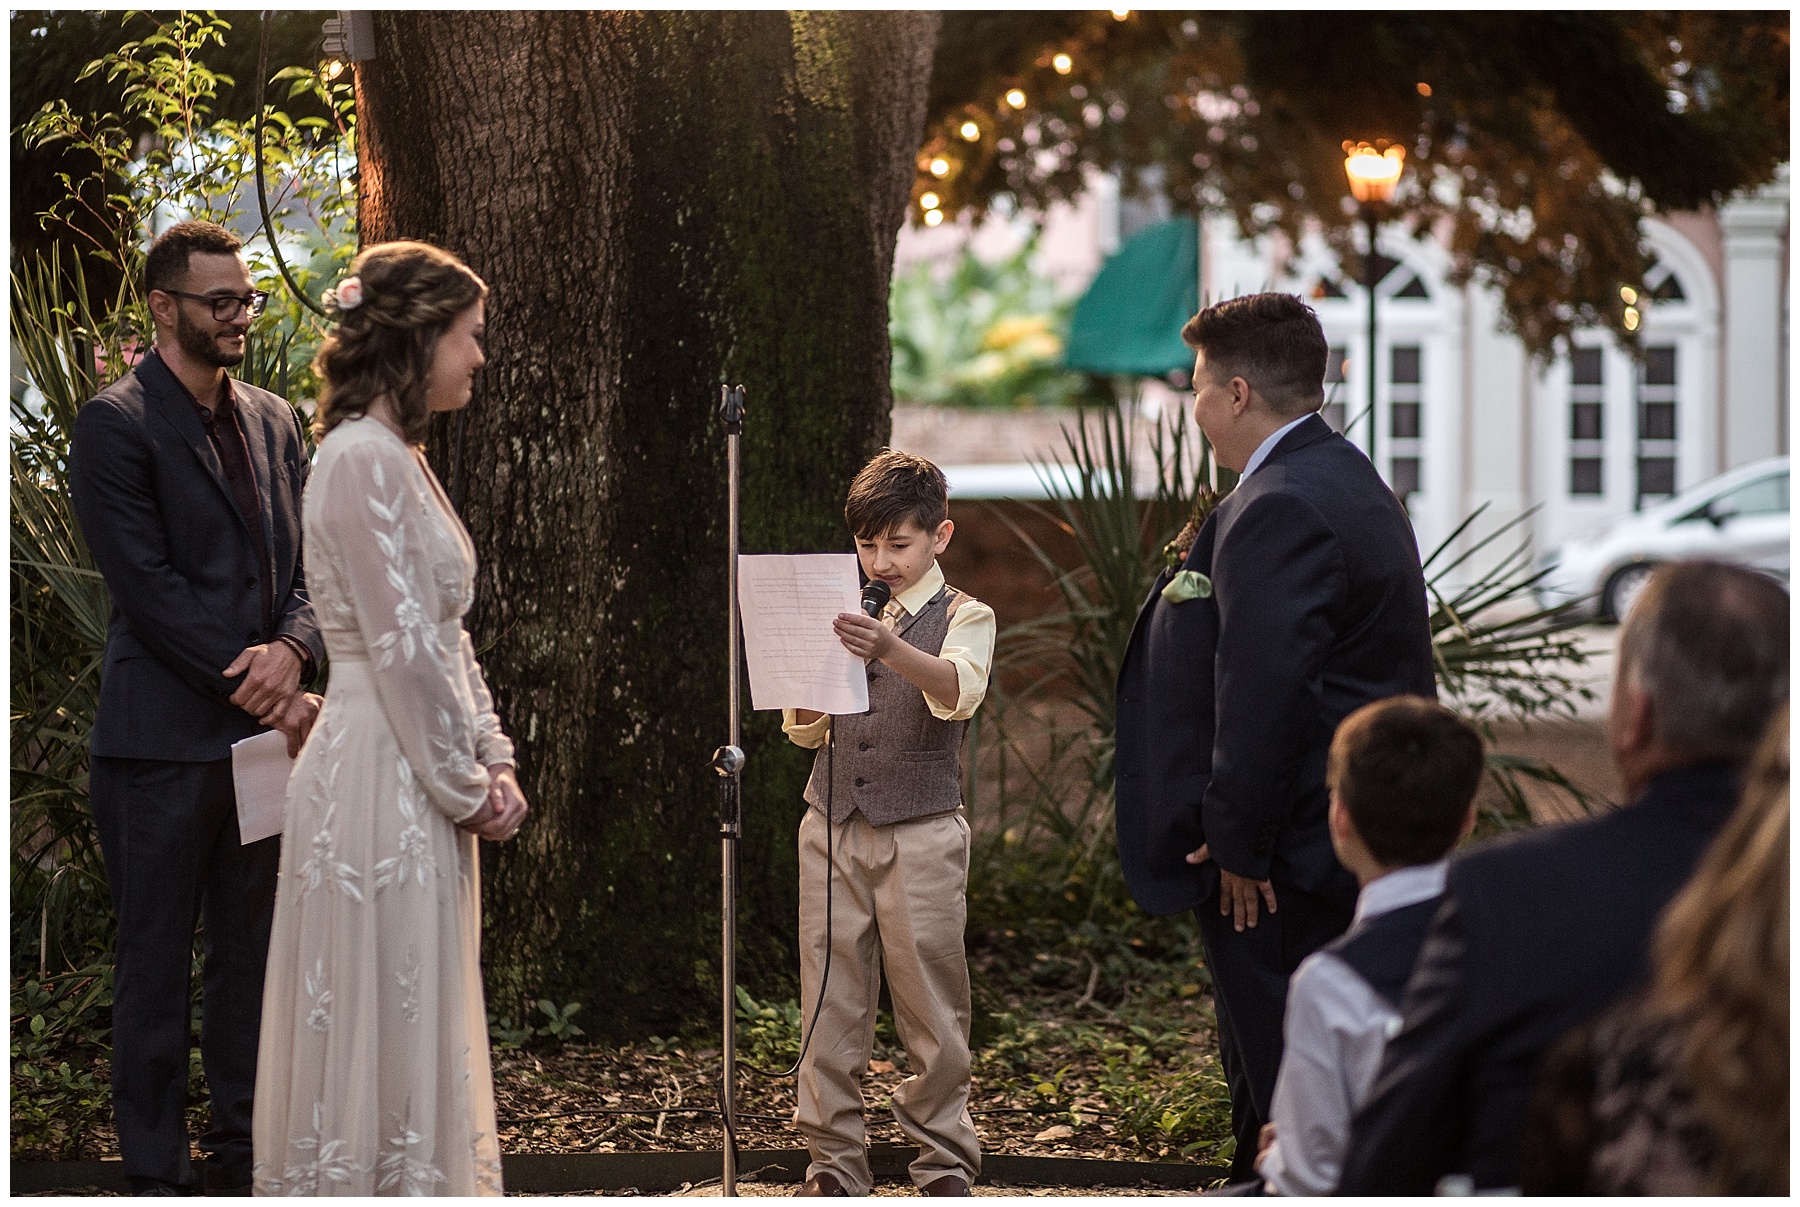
415	858
324	863
399	1168
330	1159
409	981
487	1169
414	630
320	1018
458	761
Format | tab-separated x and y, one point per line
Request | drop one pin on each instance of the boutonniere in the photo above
1186	585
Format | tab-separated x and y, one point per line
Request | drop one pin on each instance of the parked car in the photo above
1740	516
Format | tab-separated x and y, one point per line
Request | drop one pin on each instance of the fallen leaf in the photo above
1060	1131
881	1066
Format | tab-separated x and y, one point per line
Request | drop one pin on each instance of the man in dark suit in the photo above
187	486
1540	933
1300	601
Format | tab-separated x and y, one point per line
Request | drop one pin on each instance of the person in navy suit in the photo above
187	487
1542	932
1301	600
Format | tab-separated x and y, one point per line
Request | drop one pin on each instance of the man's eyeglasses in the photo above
226	307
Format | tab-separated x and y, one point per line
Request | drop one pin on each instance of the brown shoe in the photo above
947	1187
821	1186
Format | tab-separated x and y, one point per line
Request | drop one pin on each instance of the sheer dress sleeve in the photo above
491	743
419	662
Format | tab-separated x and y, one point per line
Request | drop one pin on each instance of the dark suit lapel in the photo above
169	398
259	430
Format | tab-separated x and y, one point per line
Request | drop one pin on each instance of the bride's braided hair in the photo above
411	293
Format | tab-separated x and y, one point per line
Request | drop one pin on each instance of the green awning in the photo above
1130	319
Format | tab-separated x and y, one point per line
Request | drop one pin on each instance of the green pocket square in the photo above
1188	584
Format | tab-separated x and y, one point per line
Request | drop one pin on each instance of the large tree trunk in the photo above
660	202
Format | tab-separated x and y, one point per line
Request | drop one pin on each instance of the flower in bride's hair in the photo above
347	296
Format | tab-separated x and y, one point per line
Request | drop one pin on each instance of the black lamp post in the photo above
1374	173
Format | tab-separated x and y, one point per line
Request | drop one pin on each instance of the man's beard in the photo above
200	344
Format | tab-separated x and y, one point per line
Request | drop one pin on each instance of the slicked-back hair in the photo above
1271	340
1406	768
1707	642
166	264
891	489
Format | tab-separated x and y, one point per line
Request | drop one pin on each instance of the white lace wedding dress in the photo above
373	1073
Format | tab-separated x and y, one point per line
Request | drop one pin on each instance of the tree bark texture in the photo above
659	202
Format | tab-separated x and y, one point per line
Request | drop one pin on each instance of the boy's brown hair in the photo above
893	488
1406	769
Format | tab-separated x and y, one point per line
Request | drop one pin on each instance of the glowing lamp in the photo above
971	132
933	217
1373	174
929	201
940	166
1063	64
1016	98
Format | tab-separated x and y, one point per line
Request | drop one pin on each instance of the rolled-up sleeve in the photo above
969	647
808	735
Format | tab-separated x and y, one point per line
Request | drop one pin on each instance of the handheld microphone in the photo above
875	596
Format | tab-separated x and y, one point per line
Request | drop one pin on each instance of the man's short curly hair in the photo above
166	263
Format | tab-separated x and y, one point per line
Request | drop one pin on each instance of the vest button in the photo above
862	746
860	782
251	581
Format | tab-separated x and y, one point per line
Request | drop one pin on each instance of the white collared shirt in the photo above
1268	446
968	645
1336	1030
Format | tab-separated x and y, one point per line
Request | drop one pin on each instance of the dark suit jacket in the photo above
180	562
1227	705
1537	934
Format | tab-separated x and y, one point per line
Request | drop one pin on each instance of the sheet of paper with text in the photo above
788	604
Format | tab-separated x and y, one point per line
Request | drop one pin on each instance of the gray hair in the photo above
1707	642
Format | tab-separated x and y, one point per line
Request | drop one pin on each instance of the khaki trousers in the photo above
898	902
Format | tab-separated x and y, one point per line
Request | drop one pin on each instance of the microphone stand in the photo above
728	761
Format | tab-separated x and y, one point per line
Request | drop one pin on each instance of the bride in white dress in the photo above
373	1073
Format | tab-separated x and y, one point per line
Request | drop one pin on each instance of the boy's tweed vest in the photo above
1383	950
896	761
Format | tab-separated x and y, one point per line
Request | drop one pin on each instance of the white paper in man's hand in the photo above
795	659
259	771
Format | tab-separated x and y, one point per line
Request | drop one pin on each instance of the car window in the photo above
1765	496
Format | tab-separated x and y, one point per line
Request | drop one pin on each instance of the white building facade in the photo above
1464	417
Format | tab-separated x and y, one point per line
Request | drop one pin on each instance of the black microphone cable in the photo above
875	596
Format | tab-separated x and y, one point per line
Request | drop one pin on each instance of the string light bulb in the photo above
1119	14
334	69
940	167
1628	295
1424	88
1631	318
1016	98
934	217
971	132
929	201
1063	64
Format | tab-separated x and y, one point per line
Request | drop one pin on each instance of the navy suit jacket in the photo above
1226	706
1537	934
180	562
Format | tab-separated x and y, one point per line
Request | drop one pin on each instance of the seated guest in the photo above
1403	774
1541	932
1684	1091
